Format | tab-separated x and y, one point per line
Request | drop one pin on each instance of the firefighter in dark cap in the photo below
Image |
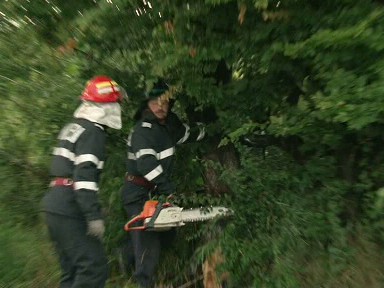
150	157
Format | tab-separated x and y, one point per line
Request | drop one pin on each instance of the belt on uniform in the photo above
140	181
58	181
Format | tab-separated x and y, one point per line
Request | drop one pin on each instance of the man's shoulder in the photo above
90	129
146	129
173	119
89	125
144	125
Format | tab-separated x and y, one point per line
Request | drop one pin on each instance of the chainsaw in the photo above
160	217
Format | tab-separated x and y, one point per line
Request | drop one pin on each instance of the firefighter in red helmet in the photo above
73	213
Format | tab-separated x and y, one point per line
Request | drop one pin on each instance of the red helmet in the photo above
102	89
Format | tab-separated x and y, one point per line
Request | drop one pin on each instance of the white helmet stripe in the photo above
107	90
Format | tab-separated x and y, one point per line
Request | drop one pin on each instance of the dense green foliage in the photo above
303	81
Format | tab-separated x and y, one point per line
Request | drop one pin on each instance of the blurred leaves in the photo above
308	74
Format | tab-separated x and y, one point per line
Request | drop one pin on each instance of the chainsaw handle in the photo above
128	227
144	215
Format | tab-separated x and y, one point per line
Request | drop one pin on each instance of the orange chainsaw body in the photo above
149	210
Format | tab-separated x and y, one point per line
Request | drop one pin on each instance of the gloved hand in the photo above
96	228
170	197
165	198
165	189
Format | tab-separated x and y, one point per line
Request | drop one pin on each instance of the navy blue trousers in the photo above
146	246
82	258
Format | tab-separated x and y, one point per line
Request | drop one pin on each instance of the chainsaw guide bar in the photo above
157	217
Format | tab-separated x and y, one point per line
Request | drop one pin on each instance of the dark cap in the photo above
159	88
